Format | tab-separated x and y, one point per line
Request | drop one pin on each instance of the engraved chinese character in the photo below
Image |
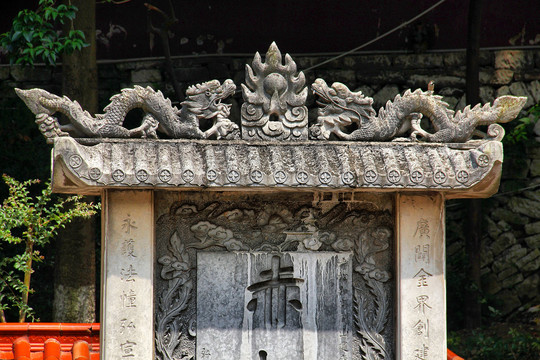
276	298
422	353
125	324
128	349
422	228
130	299
422	276
422	328
128	248
128	224
421	253
422	303
205	353
128	273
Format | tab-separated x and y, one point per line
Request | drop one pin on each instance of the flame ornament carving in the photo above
275	97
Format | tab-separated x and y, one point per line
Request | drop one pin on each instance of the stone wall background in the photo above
511	256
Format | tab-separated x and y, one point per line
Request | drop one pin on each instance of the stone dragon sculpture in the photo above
350	116
203	101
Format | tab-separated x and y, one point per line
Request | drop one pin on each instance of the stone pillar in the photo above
420	272
127	275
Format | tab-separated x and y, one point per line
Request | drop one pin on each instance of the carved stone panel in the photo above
292	305
257	276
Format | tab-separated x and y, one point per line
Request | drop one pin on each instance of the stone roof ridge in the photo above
274	110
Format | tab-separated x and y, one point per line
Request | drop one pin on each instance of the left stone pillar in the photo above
127	275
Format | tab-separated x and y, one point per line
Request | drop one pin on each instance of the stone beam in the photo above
458	170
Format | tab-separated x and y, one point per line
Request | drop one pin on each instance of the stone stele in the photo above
274	236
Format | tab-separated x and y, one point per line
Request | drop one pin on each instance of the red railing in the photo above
49	341
60	341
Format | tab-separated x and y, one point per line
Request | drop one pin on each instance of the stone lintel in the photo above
89	166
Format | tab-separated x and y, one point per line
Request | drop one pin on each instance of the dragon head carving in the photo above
338	109
204	101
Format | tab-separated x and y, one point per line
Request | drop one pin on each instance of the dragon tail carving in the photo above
349	115
203	102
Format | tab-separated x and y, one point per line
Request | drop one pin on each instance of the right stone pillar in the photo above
420	277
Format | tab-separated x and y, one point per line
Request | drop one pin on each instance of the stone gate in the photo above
274	236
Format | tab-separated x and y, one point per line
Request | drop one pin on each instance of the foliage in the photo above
34	34
483	344
523	127
28	223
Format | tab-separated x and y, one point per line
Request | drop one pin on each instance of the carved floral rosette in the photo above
361	230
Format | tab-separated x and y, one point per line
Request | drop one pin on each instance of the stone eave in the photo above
88	166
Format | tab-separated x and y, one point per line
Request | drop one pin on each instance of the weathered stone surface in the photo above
533	255
371	61
532	265
366	90
305	290
128	261
509	216
492	229
491	284
533	242
274	99
146	76
421	81
532	194
421	282
20	73
191	74
486	94
417	61
535	167
534	90
387	93
486	257
507	271
308	165
511	281
520	89
509	300
502	77
485	76
454	59
512	59
220	259
515	253
525	207
529	287
532	228
504	241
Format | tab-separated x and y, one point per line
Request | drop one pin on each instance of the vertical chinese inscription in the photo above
422	305
128	260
